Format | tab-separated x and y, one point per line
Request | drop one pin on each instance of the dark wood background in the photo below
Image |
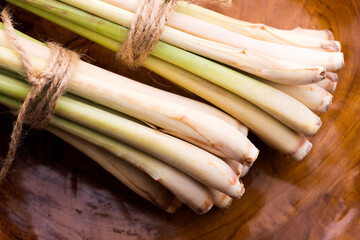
55	192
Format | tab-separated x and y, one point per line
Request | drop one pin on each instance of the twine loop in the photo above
148	23
46	88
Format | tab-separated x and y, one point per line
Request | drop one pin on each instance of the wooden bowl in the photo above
55	192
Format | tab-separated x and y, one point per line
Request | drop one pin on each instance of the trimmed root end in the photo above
204	209
325	104
302	151
330	35
173	207
225	202
332	76
333	46
242	190
229	202
332	88
251	157
321	75
245	171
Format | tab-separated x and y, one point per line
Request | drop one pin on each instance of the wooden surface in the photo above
55	192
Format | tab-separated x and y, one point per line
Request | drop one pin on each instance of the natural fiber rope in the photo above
47	87
149	21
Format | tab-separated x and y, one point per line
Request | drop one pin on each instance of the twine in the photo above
148	23
47	86
146	28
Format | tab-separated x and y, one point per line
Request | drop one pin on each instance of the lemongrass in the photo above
331	61
36	49
314	39
262	95
194	161
254	49
253	62
314	97
194	125
327	84
221	200
109	95
185	188
262	124
209	31
132	177
266	127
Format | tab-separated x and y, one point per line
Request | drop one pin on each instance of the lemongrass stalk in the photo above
199	164
132	177
221	200
192	124
327	84
185	188
237	167
274	102
314	97
209	31
256	63
42	52
314	39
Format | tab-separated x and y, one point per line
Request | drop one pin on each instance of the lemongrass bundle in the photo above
294	70
185	188
184	169
175	118
272	101
194	161
281	137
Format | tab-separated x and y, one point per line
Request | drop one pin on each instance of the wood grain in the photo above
55	192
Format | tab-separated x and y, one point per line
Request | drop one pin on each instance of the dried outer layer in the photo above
132	177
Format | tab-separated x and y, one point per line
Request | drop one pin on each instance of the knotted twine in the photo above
46	88
148	23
